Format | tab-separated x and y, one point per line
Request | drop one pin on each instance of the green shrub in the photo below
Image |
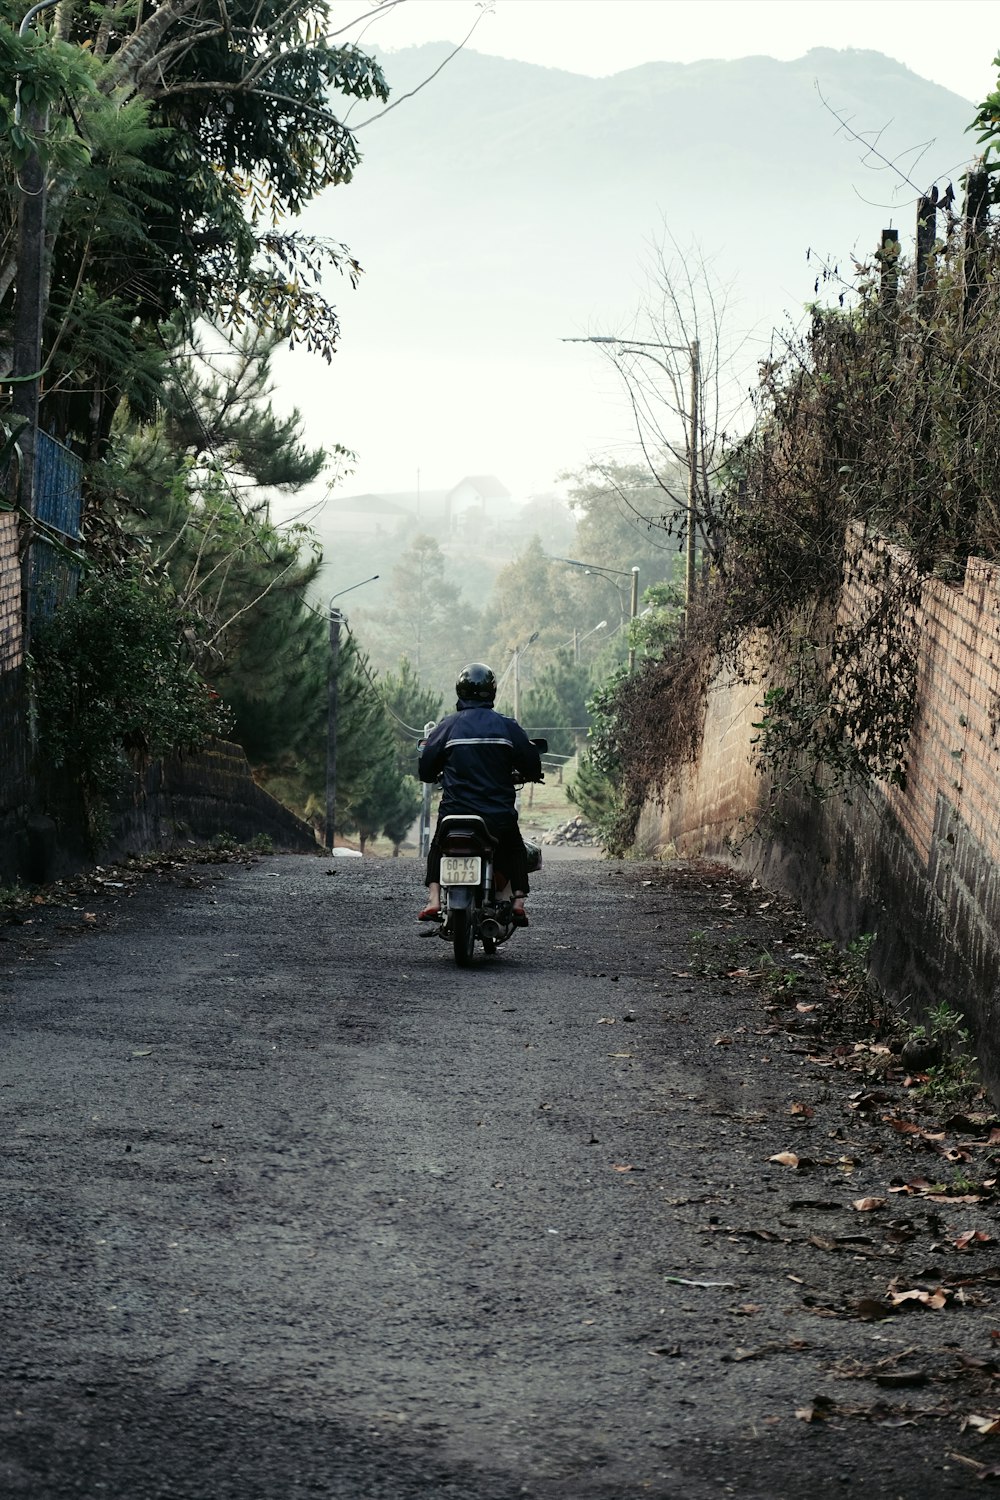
113	683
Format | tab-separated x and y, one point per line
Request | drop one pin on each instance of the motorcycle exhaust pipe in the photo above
491	928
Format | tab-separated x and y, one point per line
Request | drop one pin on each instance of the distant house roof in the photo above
486	485
382	504
405	502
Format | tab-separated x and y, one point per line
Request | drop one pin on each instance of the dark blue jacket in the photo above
476	751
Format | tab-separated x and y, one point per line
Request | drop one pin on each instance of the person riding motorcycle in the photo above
476	751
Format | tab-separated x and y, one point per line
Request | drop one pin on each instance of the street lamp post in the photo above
337	619
633	611
611	574
425	804
579	639
693	352
518	653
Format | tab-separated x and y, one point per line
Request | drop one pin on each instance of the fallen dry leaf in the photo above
917	1296
972	1237
785	1159
867	1205
870	1310
986	1426
805	1110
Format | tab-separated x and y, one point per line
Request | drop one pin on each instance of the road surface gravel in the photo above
292	1207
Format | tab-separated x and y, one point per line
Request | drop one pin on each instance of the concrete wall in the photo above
918	863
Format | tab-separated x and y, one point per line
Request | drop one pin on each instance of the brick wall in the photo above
11	644
13	776
918	863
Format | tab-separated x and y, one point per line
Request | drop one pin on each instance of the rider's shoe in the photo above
519	918
429	914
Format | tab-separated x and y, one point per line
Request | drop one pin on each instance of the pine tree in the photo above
411	706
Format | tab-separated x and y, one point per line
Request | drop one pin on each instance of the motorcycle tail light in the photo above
460	846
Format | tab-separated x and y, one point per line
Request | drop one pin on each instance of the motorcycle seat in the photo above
471	821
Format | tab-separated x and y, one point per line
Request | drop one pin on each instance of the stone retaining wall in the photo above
201	796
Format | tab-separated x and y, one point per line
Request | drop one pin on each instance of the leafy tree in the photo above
660	623
594	792
623	513
596	789
114	686
199	482
409	704
220	412
987	125
195	131
543	714
389	804
532	593
425	616
373	795
558	698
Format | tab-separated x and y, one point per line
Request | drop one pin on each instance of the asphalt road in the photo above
290	1206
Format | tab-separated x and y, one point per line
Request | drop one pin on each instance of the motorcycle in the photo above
476	900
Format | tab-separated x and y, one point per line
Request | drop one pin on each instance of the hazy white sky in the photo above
949	41
437	419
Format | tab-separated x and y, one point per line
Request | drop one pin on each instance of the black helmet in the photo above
476	684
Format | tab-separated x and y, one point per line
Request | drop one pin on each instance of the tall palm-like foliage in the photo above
176	144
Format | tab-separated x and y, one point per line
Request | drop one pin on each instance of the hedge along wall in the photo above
919	863
13	771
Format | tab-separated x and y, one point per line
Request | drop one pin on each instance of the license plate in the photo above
461	869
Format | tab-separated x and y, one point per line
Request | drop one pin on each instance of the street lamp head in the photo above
339	592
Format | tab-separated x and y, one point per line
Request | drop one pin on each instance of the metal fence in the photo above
58	504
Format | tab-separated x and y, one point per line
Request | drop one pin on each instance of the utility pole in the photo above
692	505
693	351
425	806
926	238
633	611
517	672
332	703
28	310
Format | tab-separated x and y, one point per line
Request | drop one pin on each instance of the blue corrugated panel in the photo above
58	486
54	578
58	503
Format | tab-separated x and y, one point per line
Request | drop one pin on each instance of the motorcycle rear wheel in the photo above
463	935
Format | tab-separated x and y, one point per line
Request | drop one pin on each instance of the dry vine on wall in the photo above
872	462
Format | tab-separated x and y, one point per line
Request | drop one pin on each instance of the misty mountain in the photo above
505	207
502	179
